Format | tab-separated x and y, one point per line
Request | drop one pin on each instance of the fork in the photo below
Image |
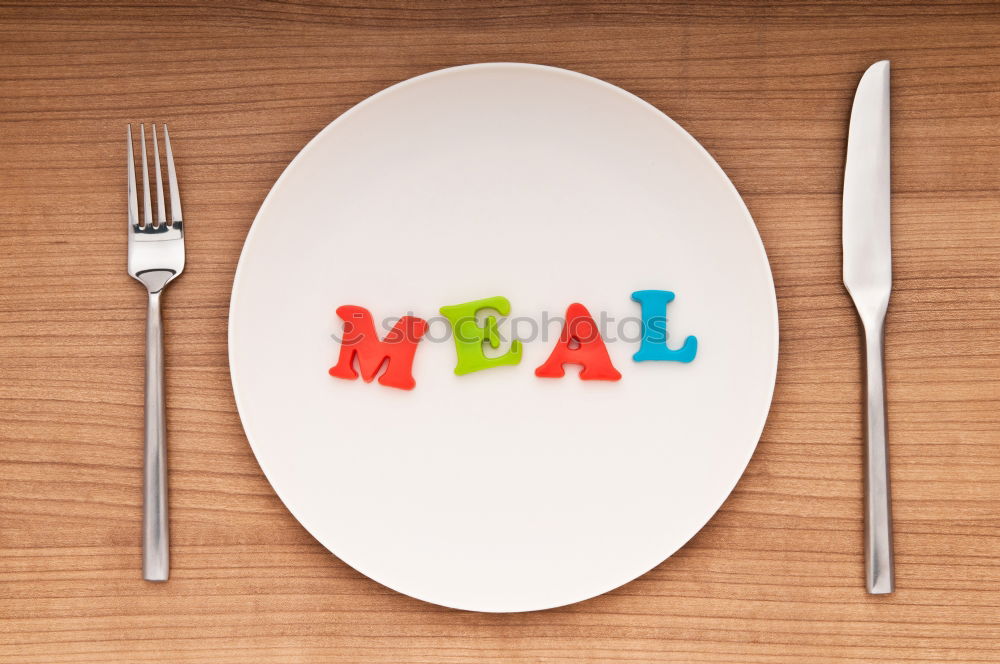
155	258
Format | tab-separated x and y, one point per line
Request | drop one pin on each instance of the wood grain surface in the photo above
776	577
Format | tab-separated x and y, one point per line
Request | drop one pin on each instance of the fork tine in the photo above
147	208
175	196
161	210
133	203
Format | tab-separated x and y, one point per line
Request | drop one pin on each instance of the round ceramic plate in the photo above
499	490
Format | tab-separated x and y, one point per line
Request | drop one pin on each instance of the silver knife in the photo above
868	277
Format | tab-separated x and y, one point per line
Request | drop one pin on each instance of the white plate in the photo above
499	490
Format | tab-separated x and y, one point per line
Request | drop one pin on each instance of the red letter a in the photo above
590	352
396	351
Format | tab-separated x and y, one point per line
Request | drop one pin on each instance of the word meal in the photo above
579	343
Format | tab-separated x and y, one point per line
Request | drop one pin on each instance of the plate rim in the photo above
524	66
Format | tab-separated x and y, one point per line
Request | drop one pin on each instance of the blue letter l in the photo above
654	329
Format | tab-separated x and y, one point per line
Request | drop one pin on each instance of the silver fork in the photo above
155	258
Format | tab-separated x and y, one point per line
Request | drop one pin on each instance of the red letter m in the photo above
361	341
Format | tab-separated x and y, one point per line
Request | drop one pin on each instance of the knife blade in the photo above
868	278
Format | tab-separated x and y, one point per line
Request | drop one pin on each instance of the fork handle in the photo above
878	514
155	537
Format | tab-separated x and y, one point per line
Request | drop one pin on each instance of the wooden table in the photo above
775	577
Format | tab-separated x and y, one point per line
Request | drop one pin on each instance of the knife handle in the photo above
878	513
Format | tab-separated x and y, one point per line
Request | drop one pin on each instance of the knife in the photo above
868	277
